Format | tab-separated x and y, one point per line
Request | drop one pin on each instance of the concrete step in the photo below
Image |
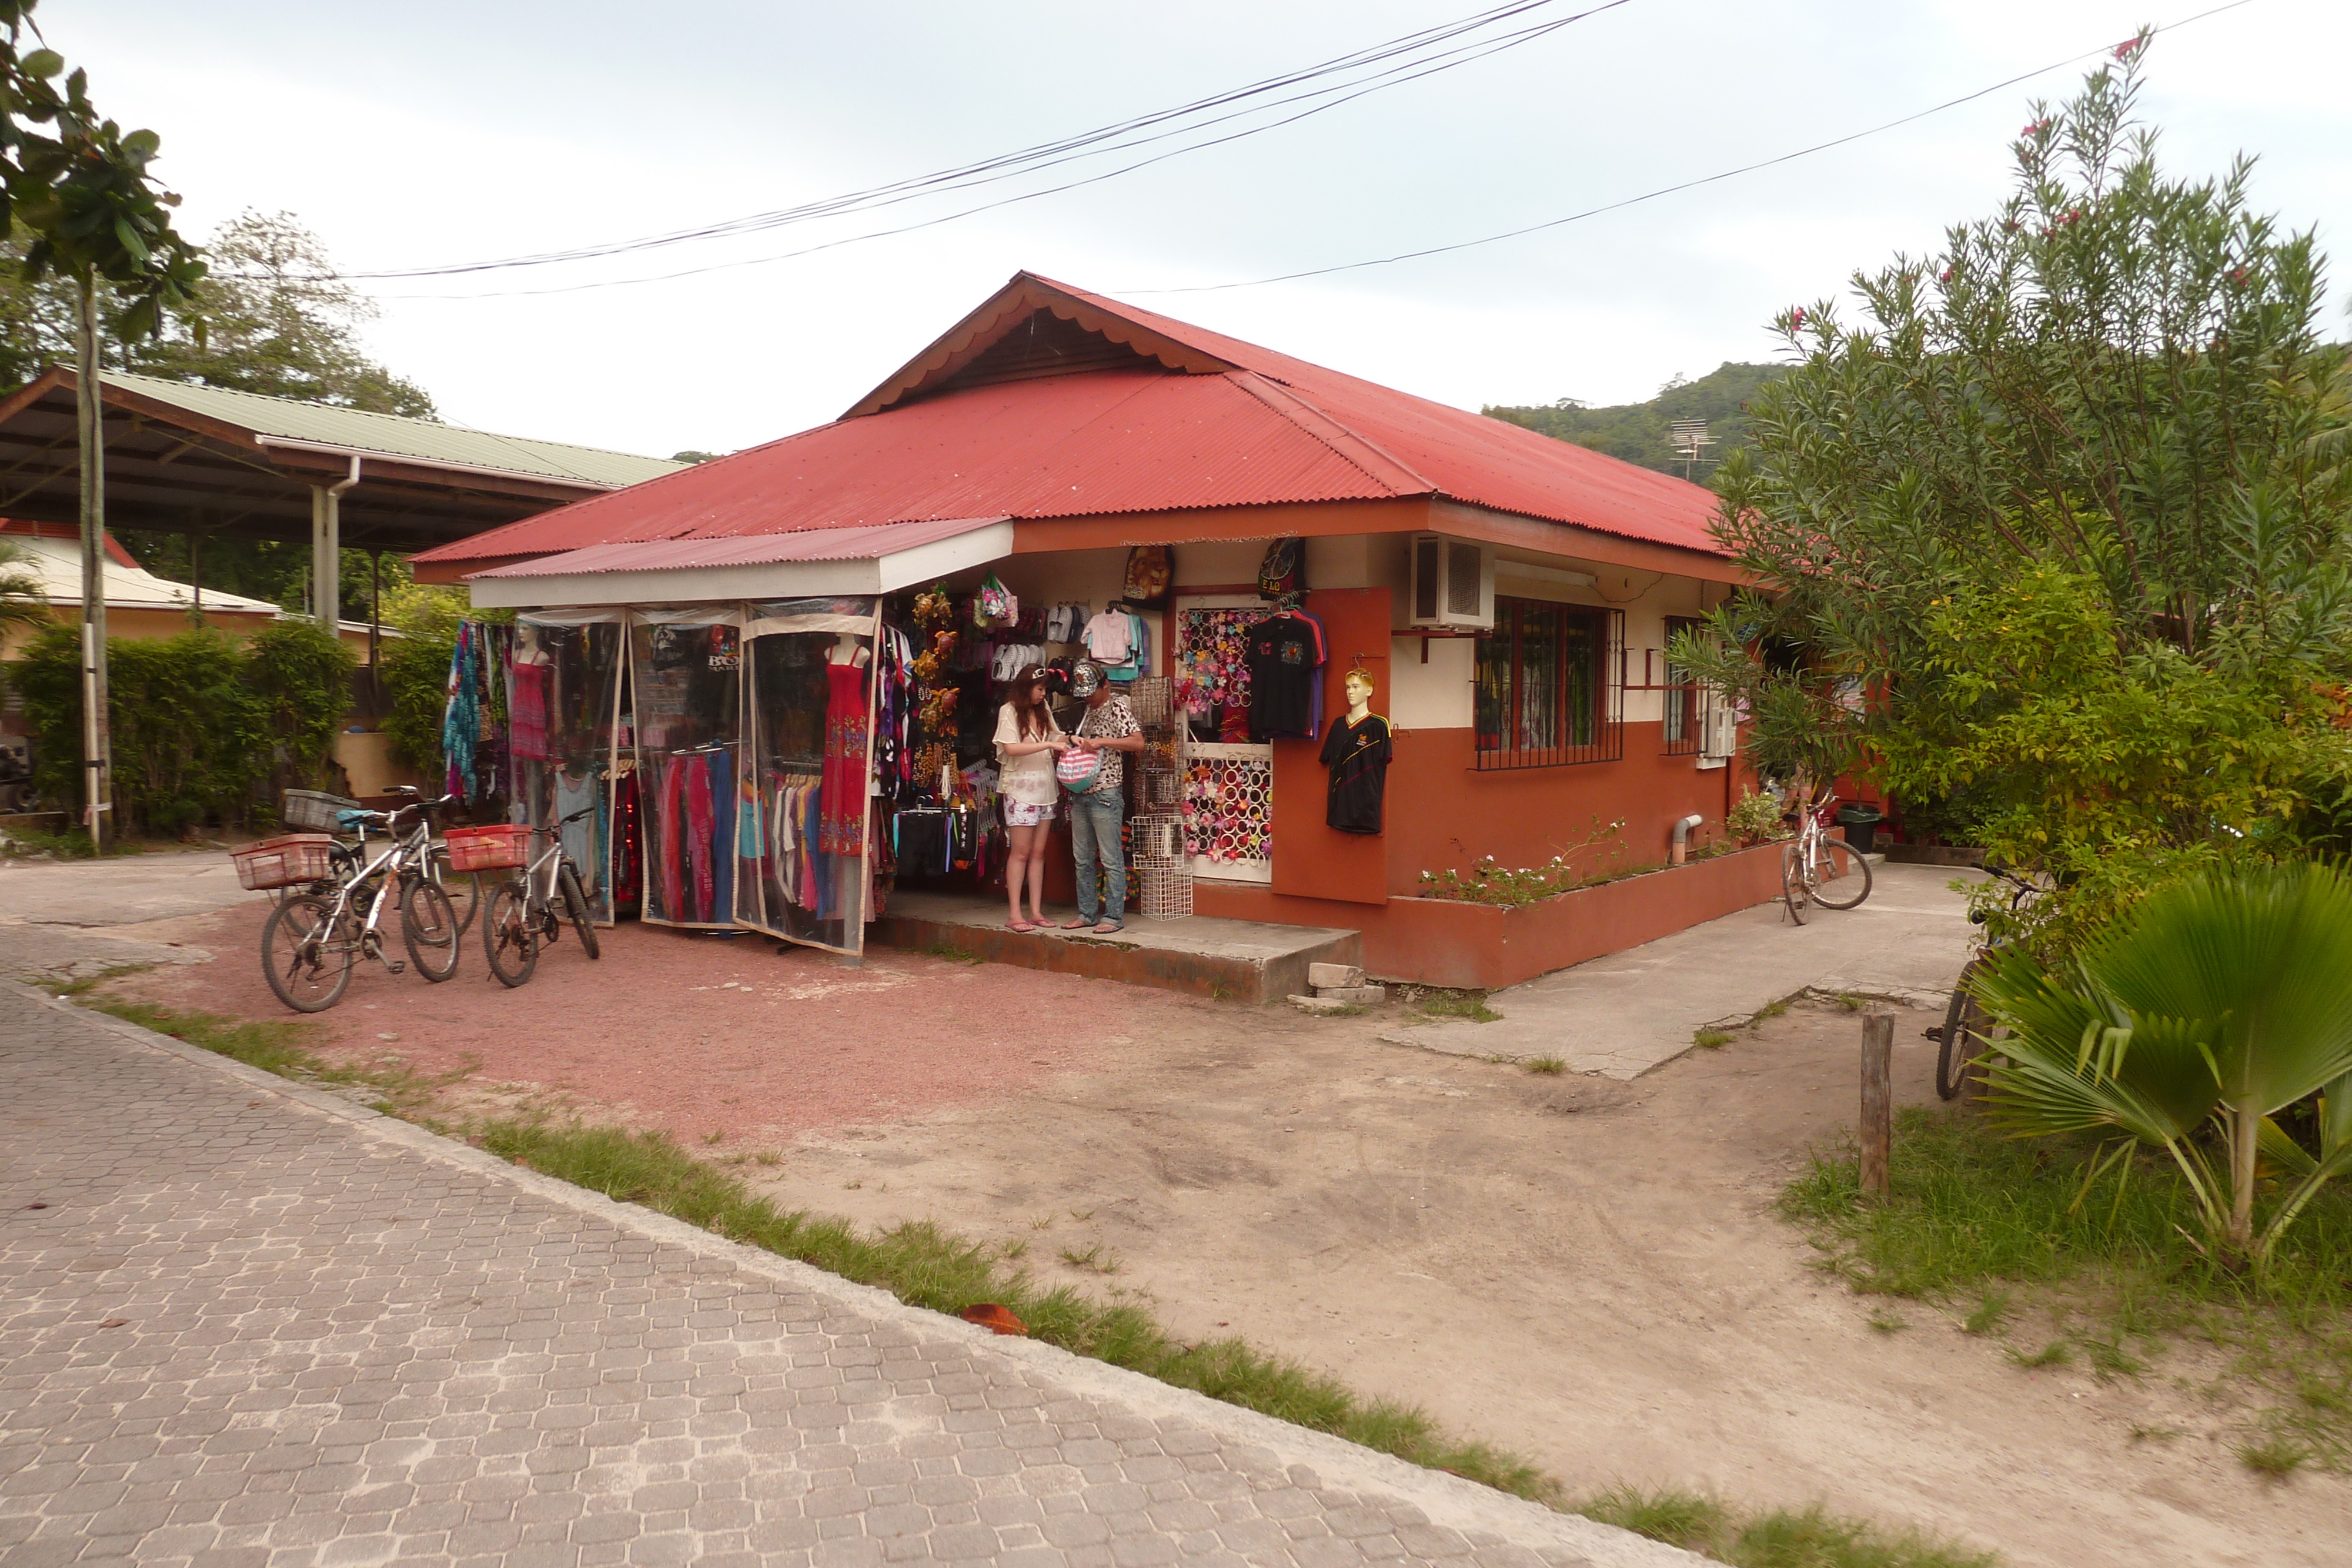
1243	960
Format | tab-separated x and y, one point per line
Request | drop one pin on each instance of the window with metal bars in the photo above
1550	687
1685	726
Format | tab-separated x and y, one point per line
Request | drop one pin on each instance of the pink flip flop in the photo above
1023	927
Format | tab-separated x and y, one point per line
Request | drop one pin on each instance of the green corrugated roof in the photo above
394	435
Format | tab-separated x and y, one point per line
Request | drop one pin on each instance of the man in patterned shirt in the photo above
1107	729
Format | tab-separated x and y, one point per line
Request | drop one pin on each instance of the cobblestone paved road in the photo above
244	1324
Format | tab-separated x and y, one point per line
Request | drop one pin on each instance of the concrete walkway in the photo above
1630	1013
247	1324
66	919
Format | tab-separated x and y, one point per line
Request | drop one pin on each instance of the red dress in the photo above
841	824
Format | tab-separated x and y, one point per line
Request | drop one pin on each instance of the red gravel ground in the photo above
697	1034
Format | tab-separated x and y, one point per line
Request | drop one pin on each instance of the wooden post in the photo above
1877	1132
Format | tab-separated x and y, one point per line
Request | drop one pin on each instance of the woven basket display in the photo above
1167	891
1148	697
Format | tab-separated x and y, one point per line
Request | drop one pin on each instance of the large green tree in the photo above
2059	524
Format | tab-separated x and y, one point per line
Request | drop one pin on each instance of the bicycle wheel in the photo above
1967	1033
429	926
575	904
465	890
1841	877
510	936
1793	883
307	964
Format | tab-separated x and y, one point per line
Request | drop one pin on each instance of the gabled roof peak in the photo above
1005	312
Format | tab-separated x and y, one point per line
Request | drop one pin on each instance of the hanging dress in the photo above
842	830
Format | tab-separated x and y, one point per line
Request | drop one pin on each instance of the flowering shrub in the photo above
1755	820
1488	881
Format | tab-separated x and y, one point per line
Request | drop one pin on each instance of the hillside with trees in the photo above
1636	432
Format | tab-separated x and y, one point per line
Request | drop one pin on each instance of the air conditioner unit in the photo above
1719	738
1453	586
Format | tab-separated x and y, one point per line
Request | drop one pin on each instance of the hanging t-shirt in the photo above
1106	636
1358	756
1283	658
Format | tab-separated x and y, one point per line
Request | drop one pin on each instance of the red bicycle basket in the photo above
284	861
497	848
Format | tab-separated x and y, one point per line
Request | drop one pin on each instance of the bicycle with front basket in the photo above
1818	869
313	939
521	912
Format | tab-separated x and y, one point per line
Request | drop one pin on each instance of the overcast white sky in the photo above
440	132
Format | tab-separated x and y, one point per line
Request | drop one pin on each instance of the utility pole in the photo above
97	738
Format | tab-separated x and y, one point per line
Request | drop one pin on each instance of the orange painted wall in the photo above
1443	813
1313	859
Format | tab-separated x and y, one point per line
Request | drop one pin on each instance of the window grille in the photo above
1549	687
1685	727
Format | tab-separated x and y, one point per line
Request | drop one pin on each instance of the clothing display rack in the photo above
1156	847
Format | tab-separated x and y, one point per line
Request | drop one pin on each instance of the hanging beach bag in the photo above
1079	771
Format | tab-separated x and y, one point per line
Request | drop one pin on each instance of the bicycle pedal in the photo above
396	966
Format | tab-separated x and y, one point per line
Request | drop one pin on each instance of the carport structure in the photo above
211	463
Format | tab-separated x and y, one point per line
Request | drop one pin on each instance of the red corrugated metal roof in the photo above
744	549
1268	429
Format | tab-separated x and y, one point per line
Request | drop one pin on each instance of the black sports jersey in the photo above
1358	756
1283	654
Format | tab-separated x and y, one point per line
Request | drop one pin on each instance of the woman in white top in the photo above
1027	740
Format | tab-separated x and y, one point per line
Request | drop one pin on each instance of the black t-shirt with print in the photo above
1358	756
1282	665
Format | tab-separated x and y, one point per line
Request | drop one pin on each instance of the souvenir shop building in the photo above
747	656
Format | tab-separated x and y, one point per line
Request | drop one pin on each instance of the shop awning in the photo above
806	562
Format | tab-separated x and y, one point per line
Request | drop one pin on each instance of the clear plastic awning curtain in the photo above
563	703
806	831
685	689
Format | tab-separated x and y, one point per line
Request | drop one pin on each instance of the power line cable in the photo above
1673	190
1350	96
1413	48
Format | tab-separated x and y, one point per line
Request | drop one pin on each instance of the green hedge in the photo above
205	729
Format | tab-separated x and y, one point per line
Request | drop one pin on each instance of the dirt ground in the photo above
1589	1272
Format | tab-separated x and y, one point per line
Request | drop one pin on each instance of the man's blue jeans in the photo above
1094	838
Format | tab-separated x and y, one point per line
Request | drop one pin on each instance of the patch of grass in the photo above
2057	1353
83	984
2140	1434
2275	1457
1885	1322
1991	1314
1711	1039
1437	1002
1771	1010
1975	1217
1012	1250
953	953
1548	1066
287	1049
1851	1002
23	843
1094	1259
769	1157
1220	992
926	1266
714	1137
1781	1538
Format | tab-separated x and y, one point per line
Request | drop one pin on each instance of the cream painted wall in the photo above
1435	695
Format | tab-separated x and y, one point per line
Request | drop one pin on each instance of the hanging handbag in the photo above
1079	771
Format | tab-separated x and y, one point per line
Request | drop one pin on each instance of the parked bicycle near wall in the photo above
314	938
1818	869
1967	1033
523	911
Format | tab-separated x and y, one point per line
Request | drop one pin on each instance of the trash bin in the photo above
1861	825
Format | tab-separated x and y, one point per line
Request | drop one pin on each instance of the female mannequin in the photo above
849	648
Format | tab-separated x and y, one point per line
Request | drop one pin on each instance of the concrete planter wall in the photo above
1439	942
